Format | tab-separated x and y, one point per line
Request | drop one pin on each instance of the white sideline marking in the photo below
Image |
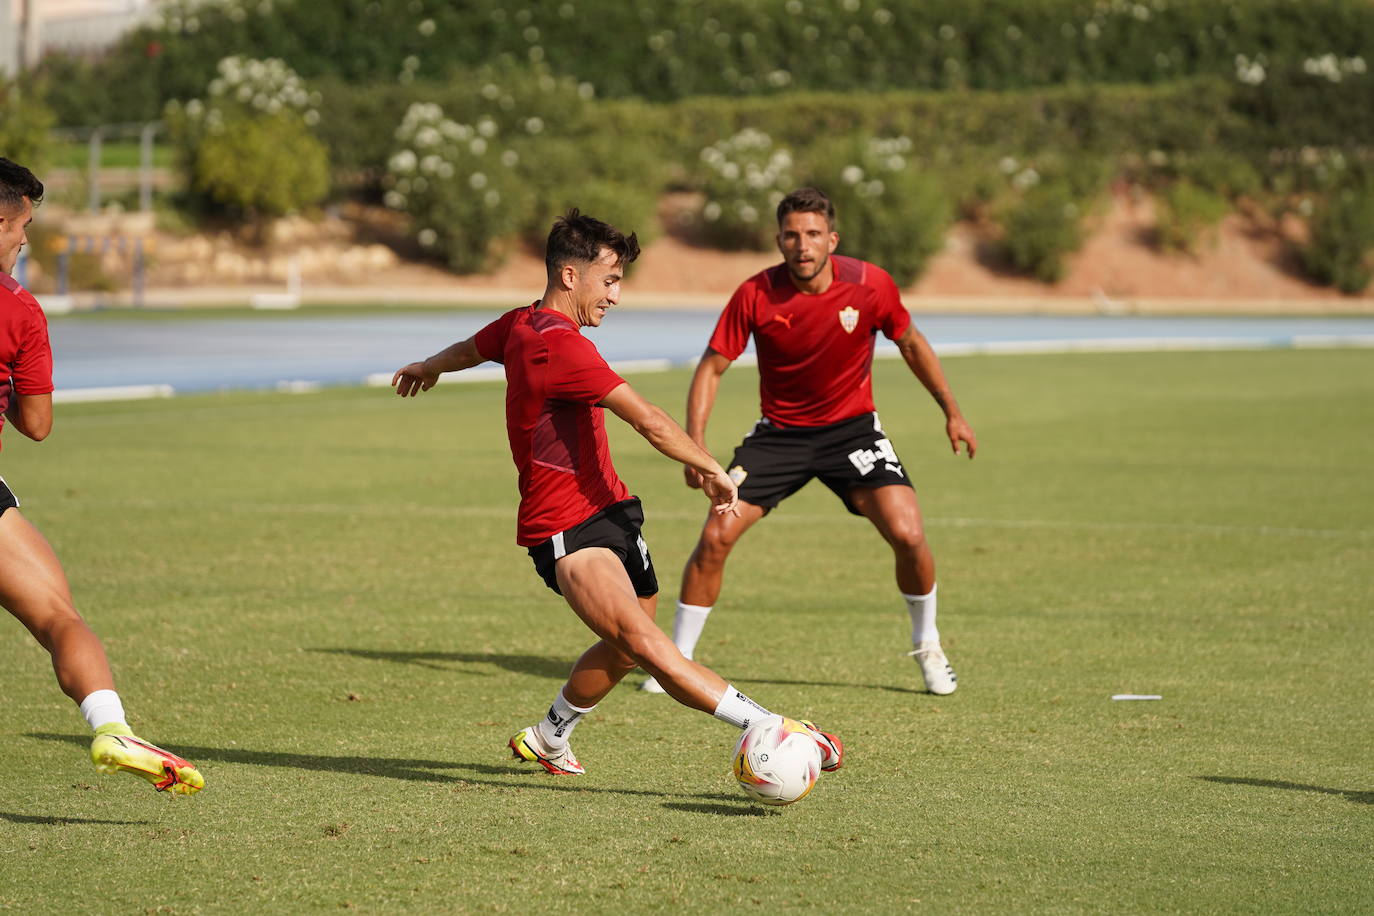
112	393
1144	345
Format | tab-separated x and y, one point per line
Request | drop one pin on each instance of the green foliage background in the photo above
1269	100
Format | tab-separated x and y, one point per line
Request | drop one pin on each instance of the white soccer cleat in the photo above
935	668
652	686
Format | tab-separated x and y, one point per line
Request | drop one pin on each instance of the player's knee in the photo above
908	538
53	620
714	547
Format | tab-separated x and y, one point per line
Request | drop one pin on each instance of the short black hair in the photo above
807	200
578	238
16	183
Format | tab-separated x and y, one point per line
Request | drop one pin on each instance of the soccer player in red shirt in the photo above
577	519
33	586
815	318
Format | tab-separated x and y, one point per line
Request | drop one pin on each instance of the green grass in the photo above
317	598
114	154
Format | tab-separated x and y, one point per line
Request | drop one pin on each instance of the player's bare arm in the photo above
701	397
31	414
925	365
662	432
412	379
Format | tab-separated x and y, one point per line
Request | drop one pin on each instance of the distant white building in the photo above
31	28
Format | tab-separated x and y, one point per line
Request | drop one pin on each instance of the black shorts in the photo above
615	527
772	463
7	498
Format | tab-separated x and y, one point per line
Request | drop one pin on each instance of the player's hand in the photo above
411	380
691	476
722	491
959	431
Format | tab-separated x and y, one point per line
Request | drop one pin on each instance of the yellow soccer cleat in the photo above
167	772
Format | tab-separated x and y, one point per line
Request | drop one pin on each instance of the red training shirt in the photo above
815	351
25	354
554	380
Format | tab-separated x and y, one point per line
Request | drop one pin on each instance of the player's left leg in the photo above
895	512
33	587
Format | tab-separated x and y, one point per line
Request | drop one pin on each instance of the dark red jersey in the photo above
815	351
25	355
554	380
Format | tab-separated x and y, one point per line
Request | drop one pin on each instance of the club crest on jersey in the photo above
849	318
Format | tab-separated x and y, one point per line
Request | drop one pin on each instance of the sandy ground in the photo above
1244	266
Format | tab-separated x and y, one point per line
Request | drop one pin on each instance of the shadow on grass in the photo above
61	821
408	769
558	668
537	665
890	688
731	809
1361	798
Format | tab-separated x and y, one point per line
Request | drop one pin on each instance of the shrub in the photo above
888	209
1187	213
264	166
24	125
598	174
248	146
1340	251
1042	228
460	185
744	178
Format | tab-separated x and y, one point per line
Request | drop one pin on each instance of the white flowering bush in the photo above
743	178
248	145
460	184
889	209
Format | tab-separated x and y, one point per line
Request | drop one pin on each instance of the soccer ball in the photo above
777	761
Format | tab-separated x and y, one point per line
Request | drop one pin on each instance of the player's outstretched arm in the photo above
412	379
31	414
653	423
925	365
701	397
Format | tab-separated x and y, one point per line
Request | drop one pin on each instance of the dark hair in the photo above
807	200
576	238
16	183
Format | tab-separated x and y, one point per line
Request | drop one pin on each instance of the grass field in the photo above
317	598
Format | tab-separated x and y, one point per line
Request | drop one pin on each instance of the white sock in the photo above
687	626
922	611
737	709
555	728
101	708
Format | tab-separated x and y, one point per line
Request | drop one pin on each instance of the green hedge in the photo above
674	49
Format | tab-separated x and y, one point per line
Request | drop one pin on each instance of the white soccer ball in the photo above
777	761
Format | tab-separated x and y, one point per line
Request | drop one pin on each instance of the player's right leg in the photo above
33	587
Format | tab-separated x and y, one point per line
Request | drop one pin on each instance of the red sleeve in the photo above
32	371
491	340
892	316
577	372
736	323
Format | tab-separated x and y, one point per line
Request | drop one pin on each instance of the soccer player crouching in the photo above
814	319
577	518
33	586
